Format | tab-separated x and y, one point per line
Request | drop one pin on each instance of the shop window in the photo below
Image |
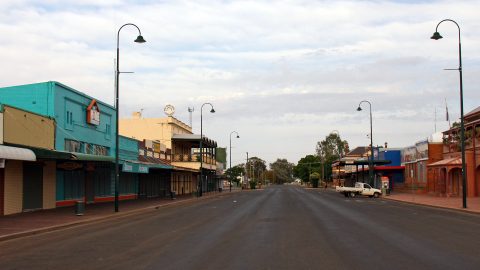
100	150
89	149
73	146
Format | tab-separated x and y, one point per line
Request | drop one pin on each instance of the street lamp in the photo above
437	36
201	145
139	39
370	163
230	163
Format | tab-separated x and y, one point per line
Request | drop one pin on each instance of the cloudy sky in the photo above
284	74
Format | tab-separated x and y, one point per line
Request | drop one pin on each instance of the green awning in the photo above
159	166
87	157
135	166
51	154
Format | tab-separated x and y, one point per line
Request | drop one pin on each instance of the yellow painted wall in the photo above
26	128
160	129
13	187
49	184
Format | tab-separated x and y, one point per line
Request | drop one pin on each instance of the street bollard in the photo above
79	208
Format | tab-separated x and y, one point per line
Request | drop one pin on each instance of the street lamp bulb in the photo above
212	110
359	108
140	39
436	36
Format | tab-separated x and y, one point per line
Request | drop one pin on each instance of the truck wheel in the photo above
352	194
376	195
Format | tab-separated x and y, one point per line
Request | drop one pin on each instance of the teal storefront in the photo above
85	127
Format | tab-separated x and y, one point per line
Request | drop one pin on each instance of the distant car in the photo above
359	189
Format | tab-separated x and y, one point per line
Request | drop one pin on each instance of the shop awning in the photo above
159	166
376	162
447	162
87	157
136	166
16	153
183	169
51	154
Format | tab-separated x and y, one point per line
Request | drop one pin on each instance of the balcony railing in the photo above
193	158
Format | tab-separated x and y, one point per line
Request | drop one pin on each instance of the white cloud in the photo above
283	74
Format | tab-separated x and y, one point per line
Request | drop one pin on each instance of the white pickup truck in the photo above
359	189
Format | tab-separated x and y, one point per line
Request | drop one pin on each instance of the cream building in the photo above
25	183
185	147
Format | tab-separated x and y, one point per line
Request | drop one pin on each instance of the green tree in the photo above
234	172
315	177
282	171
306	166
329	150
256	167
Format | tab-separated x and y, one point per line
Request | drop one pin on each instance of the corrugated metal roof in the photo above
358	151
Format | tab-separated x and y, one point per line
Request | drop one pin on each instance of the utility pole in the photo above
246	168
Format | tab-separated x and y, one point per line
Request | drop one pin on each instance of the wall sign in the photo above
134	167
93	113
70	166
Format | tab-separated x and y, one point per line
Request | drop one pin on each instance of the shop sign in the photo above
142	169
70	166
156	147
93	113
127	167
134	168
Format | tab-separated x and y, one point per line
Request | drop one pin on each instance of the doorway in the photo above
32	186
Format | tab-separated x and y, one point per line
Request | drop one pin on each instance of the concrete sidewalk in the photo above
473	204
23	224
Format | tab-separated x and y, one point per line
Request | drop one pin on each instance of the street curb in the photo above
58	227
434	206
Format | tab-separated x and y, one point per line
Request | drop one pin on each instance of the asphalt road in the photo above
282	227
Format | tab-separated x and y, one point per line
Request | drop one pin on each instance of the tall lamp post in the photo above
370	163
201	145
230	163
437	36
139	39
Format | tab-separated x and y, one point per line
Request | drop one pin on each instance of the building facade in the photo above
416	158
446	174
26	183
184	146
83	127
